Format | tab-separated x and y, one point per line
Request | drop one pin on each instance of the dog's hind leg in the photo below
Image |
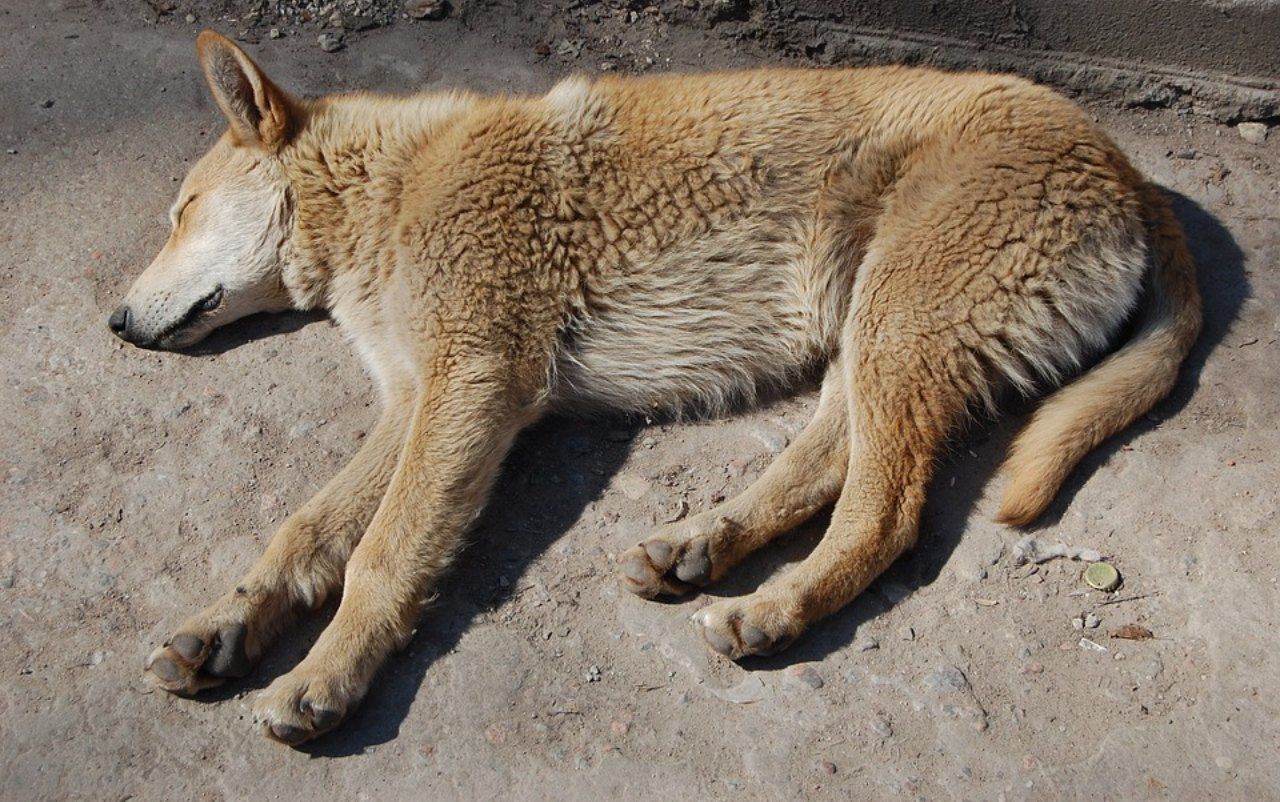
903	402
807	476
301	567
995	265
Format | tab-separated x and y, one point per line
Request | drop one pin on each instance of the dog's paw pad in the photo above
193	660
294	709
694	564
739	628
658	567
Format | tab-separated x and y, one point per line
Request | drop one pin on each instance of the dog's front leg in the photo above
300	568
465	420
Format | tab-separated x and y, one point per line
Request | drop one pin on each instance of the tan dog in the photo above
673	243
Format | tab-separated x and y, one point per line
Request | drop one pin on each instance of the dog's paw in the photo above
663	567
753	625
300	706
201	655
681	557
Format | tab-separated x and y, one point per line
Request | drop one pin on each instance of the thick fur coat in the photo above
676	243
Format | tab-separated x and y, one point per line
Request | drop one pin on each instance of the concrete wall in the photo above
1235	38
1217	59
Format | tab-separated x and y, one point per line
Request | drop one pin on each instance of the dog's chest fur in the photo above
704	325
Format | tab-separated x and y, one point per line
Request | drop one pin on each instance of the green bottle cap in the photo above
1102	576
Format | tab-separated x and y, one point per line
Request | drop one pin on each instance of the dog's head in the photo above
232	220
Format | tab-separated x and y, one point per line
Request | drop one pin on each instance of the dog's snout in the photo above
119	322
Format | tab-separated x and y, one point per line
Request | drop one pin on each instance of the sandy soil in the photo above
139	485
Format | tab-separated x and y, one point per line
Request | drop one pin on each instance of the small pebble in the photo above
866	644
620	727
1091	621
881	726
47	103
1034	667
1132	632
190	18
11	151
770	437
274	33
805	675
331	41
1253	133
828	767
570	48
906	633
947	678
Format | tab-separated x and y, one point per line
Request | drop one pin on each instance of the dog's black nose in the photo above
119	322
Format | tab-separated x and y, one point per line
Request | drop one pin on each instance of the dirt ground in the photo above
137	486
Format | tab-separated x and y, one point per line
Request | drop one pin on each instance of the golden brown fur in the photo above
676	243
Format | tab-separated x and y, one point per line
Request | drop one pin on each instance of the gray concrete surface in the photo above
138	485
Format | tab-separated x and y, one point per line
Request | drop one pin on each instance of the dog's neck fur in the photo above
346	171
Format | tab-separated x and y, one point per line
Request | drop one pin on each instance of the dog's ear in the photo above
260	113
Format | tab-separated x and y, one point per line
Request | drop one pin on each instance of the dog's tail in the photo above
1119	389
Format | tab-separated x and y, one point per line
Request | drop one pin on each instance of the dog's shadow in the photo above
571	462
510	537
253	327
